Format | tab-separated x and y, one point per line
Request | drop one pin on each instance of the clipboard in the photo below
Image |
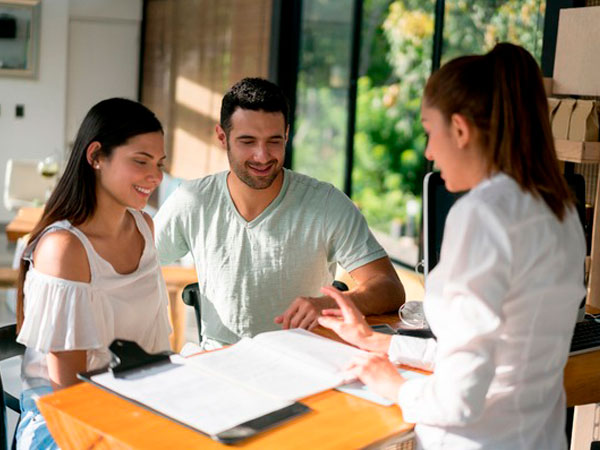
129	359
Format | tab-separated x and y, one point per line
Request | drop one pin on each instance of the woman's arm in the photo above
469	287
62	255
64	366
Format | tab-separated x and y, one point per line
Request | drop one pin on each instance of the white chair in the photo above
23	184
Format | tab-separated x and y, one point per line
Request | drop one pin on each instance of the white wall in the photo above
42	131
106	9
88	69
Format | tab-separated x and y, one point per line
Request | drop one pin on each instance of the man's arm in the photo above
168	236
378	291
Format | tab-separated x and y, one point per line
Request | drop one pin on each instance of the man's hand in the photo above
350	324
377	372
304	312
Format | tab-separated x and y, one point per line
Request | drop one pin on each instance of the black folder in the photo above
128	358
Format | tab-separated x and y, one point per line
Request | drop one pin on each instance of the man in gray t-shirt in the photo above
264	239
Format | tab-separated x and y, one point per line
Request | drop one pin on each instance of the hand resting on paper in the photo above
378	373
304	312
350	324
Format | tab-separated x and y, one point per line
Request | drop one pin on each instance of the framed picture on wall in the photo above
19	37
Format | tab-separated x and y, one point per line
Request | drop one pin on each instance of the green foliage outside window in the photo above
389	142
395	61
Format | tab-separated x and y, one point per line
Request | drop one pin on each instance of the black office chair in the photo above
9	347
191	297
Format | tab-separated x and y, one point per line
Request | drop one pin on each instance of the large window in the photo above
396	57
322	90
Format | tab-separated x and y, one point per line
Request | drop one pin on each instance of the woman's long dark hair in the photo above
501	93
111	123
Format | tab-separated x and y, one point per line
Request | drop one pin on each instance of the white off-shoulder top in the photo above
63	315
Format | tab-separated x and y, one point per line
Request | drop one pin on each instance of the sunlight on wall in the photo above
194	157
195	150
198	98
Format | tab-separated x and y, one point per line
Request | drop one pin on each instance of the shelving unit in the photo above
587	153
578	152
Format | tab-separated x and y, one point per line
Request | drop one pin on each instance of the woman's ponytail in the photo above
502	95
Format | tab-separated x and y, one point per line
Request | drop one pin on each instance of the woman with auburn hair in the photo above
503	299
90	272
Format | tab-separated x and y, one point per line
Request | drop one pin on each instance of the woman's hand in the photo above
349	323
377	372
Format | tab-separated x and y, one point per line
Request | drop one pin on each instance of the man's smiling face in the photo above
256	146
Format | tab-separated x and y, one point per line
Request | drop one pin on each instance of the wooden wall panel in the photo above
156	88
195	50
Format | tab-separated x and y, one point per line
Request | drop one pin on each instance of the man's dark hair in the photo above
256	94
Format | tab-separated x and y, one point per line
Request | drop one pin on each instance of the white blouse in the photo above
502	302
70	315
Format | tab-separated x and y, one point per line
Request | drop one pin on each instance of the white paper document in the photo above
182	392
289	364
216	391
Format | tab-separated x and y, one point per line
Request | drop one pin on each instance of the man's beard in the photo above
252	181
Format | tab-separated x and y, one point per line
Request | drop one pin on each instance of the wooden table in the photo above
8	277
23	223
582	375
85	416
337	421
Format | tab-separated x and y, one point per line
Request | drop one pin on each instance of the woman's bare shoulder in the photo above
61	254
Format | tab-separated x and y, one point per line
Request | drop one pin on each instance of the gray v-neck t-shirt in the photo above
250	272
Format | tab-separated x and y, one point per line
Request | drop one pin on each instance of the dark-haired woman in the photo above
90	273
503	299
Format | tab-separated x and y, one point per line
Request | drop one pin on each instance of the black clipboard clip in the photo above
128	355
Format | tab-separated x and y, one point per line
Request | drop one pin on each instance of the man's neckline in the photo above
267	210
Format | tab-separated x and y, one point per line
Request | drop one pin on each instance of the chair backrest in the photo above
23	185
9	347
191	297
